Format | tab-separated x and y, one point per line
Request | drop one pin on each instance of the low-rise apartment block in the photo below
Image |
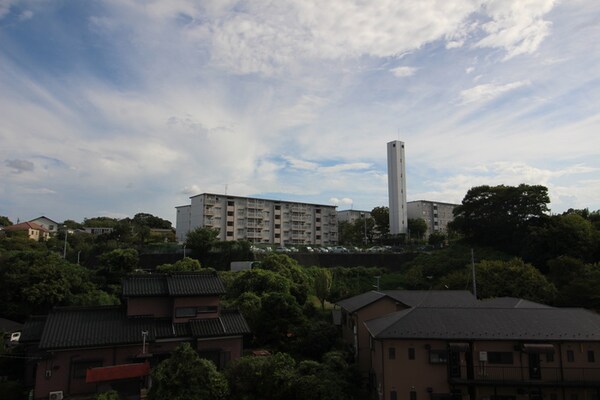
450	346
259	220
436	215
352	216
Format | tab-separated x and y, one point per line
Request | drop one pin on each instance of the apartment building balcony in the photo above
525	376
254	214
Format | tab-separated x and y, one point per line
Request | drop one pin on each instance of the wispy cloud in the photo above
489	91
402	72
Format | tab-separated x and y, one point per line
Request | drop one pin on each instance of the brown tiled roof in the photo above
231	322
204	283
25	226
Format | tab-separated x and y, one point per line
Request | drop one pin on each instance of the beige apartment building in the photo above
447	345
437	215
352	216
259	220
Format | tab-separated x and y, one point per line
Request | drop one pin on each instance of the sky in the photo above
111	108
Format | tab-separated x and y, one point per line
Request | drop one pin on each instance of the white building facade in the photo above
397	187
352	216
437	215
259	220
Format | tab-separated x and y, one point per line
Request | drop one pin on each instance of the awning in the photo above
459	346
537	348
114	372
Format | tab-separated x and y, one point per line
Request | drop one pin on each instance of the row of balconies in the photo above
515	375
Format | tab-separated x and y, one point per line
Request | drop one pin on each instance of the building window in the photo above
570	356
393	395
318	211
230	213
277	216
411	353
80	367
277	235
230	233
438	356
318	219
182	312
413	395
392	353
591	356
229	223
277	226
277	207
230	203
500	357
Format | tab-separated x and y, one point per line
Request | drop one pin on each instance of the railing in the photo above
546	375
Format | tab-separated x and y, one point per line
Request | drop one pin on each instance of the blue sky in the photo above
110	108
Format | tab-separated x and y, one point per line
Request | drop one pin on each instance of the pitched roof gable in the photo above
412	298
25	226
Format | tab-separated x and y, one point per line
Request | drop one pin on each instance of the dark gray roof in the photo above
107	326
204	283
488	323
511	302
412	298
229	323
32	329
6	325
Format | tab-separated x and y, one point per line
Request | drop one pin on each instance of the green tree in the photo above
280	316
381	216
259	282
417	228
436	239
202	240
323	280
260	378
500	216
4	221
115	264
186	376
151	221
32	282
186	264
290	269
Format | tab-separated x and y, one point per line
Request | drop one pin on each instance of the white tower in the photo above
397	187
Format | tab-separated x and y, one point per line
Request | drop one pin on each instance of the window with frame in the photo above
230	213
182	312
500	357
570	356
392	353
591	356
438	356
411	353
230	233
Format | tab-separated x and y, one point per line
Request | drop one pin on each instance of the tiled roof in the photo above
204	283
511	302
25	226
412	298
105	326
85	326
231	322
32	329
488	323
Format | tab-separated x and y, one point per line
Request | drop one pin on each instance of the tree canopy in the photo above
500	215
186	376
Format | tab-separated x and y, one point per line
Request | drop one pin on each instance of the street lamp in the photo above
65	246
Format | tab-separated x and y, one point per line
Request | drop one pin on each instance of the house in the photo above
31	229
477	353
48	224
355	311
85	349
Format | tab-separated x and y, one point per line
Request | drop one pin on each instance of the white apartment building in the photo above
436	215
259	220
352	216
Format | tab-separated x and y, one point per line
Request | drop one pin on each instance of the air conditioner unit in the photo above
58	395
483	356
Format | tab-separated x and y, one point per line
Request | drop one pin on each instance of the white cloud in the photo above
489	91
402	72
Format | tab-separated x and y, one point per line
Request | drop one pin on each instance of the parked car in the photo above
339	249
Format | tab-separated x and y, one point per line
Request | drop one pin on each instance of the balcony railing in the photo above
543	375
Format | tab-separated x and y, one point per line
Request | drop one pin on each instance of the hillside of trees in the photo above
518	249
